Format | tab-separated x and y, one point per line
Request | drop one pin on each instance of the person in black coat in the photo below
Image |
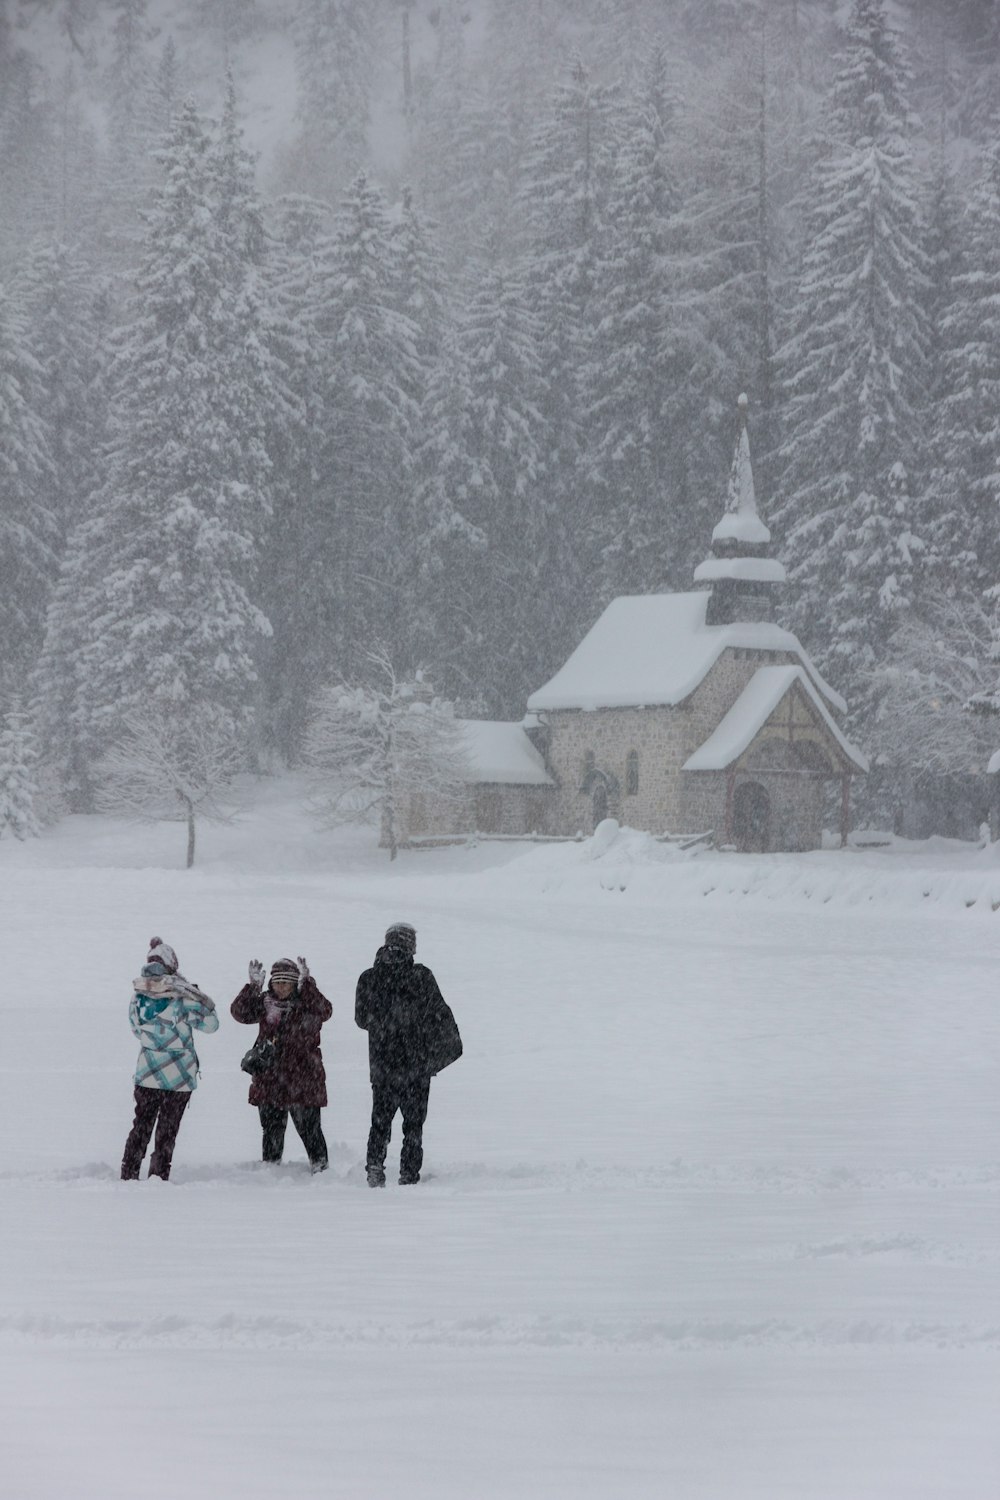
411	1036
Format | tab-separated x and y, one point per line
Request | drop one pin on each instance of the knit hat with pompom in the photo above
162	953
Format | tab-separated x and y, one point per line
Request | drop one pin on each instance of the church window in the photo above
632	773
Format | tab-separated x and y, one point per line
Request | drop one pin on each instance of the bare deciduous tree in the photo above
171	769
371	744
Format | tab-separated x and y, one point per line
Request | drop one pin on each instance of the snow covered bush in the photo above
371	745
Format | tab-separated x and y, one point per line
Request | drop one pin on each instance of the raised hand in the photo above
256	972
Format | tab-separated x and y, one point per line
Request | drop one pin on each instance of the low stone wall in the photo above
703	802
493	808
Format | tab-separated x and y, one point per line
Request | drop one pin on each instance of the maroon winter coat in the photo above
298	1076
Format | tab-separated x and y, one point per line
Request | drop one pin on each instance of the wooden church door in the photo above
752	818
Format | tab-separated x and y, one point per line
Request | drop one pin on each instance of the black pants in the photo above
163	1108
409	1095
305	1118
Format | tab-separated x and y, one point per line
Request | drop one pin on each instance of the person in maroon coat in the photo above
289	1012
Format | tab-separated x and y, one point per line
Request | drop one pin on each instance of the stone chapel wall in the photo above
662	738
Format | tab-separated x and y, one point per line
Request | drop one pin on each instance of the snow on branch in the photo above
942	664
372	743
171	767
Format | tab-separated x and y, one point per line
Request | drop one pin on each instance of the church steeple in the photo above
741	571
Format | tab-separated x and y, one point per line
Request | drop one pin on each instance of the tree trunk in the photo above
764	360
845	810
796	49
407	74
190	823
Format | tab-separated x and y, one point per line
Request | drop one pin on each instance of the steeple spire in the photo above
741	523
742	574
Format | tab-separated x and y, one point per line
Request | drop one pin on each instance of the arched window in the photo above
632	773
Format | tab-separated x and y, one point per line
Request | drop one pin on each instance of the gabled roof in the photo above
501	752
750	713
652	650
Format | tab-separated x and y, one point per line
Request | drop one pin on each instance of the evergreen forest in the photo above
419	325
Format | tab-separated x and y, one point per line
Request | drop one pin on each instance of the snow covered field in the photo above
711	1208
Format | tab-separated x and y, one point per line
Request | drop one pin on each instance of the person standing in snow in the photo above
411	1036
166	1010
290	1012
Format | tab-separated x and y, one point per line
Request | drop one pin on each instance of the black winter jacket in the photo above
411	1030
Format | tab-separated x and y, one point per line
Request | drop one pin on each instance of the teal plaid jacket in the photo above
165	1023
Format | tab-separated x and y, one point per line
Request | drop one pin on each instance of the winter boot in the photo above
376	1177
407	1179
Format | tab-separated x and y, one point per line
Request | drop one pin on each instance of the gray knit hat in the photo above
285	968
401	935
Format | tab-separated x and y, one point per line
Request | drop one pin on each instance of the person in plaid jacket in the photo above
165	1012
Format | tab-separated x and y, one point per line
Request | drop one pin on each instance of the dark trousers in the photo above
305	1118
163	1108
409	1096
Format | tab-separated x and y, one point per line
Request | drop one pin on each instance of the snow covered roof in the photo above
750	712
753	569
497	751
651	650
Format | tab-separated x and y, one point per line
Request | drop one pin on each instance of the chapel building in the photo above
677	713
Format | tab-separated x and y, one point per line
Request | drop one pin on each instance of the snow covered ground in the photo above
712	1203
